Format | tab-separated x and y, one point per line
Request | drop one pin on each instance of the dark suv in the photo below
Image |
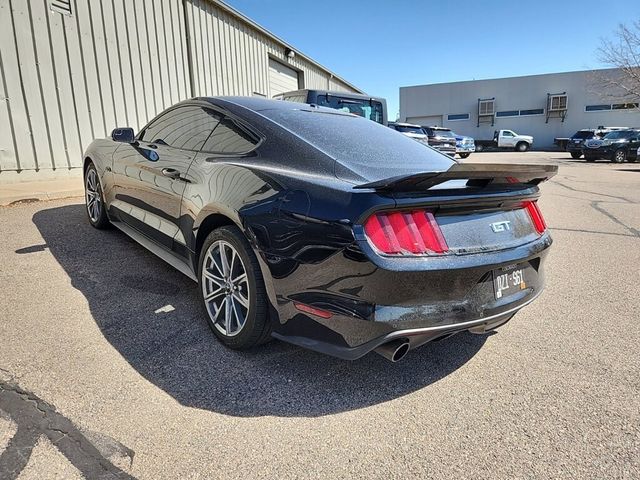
442	139
575	144
617	146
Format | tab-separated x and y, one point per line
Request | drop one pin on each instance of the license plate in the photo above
508	280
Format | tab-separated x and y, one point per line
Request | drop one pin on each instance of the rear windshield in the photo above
443	133
405	129
370	149
620	134
371	110
582	134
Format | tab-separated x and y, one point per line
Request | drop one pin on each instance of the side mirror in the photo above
124	135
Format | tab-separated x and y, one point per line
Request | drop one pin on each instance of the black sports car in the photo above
322	228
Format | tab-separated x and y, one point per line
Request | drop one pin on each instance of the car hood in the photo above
417	136
593	143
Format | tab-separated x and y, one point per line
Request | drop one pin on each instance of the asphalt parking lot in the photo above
105	354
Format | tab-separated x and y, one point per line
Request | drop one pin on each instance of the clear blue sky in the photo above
382	45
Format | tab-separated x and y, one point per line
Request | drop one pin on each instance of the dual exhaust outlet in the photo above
395	350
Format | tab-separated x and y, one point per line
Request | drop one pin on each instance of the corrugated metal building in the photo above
544	106
72	70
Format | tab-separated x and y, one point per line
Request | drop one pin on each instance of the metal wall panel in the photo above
232	58
67	79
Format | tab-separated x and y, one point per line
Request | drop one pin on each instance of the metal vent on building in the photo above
556	106
61	6
486	110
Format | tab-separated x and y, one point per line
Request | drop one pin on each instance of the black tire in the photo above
522	147
479	148
576	155
94	199
632	160
619	156
257	327
464	155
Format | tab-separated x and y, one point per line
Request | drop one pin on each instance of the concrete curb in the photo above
8	200
12	193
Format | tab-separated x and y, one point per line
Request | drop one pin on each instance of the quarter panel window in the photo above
185	127
229	137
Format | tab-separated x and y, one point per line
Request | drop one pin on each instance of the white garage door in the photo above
281	78
429	121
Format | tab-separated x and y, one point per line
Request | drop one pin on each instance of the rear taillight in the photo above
536	216
405	233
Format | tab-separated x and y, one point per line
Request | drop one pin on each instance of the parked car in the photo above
506	139
410	130
441	139
321	228
465	146
617	146
373	108
577	140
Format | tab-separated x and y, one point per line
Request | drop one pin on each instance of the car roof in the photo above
258	104
403	124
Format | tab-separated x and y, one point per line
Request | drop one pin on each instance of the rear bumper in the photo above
574	147
416	336
372	305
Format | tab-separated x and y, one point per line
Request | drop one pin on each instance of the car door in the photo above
507	139
150	175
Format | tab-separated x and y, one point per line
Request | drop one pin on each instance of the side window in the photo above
184	127
229	137
507	133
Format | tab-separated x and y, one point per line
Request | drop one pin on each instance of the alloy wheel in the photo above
225	288
92	195
619	156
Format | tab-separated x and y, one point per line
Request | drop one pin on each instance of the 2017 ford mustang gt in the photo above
322	228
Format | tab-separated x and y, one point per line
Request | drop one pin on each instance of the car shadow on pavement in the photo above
151	315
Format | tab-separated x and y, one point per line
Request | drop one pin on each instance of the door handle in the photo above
171	173
151	145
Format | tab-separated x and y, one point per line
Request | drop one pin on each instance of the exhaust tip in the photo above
395	350
400	352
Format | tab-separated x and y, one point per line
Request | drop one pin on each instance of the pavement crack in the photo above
574	189
595	205
35	418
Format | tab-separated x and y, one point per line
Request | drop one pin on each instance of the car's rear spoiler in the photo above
477	173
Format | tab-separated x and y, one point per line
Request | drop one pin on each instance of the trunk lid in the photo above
478	207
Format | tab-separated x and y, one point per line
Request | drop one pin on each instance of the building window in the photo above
596	108
624	106
61	6
533	111
520	113
609	106
452	117
508	113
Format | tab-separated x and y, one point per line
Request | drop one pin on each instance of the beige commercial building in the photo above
544	106
72	70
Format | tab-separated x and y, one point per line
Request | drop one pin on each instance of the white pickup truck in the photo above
506	139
